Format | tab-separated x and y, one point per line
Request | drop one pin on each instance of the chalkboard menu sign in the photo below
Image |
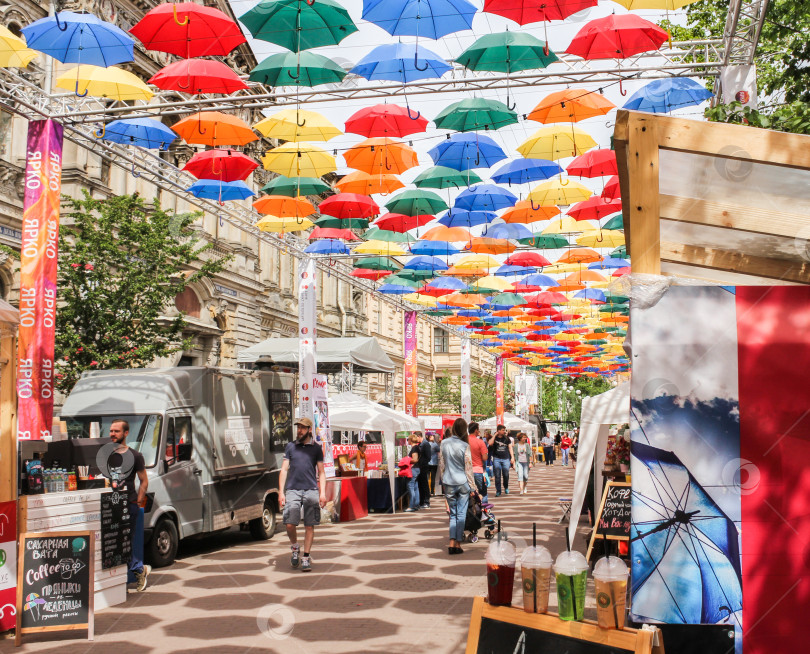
116	538
613	519
55	580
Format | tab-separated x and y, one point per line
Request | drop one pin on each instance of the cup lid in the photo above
501	552
570	563
536	557
610	568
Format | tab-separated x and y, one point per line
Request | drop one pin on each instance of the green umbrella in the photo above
617	299
443	177
620	252
617	222
376	263
302	69
475	114
377	234
416	275
550	242
507	299
295	186
439	312
341	223
401	280
507	52
613	308
299	25
416	202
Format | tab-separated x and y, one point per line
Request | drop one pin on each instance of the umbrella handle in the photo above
62	26
621	89
81	95
99	134
199	124
416	62
387	167
132	170
300	124
477	157
176	20
537	208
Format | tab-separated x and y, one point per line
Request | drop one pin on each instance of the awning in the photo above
512	423
364	352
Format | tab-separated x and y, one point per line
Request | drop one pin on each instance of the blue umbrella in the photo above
400	62
425	262
440	248
431	19
79	39
593	294
507	271
522	171
213	189
326	246
467	150
463	218
506	231
395	289
494	320
144	132
472	313
609	262
447	283
486	197
538	279
664	95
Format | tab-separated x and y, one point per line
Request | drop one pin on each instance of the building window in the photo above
188	303
441	341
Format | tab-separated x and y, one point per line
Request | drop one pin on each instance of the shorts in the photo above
522	471
309	500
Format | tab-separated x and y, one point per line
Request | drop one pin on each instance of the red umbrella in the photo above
434	292
188	30
527	259
349	205
533	11
594	208
368	273
383	120
617	36
197	76
224	165
612	189
332	232
545	298
397	222
594	163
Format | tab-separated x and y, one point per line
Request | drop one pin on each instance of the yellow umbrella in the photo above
283	225
380	248
299	160
13	53
664	5
556	142
297	125
561	268
491	281
605	238
483	261
110	82
421	300
567	225
554	192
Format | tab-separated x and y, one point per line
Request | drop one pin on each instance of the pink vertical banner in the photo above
411	393
38	262
307	336
499	390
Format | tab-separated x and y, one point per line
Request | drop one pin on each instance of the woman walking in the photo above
433	465
455	469
524	459
413	482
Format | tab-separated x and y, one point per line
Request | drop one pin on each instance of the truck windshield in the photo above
144	431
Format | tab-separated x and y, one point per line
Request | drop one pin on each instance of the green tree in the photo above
443	395
121	264
559	404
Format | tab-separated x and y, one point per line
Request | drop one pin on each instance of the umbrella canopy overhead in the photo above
443	177
381	155
663	95
295	186
534	11
299	160
13	51
297	125
523	171
220	191
196	76
485	197
401	62
475	114
507	52
555	192
617	36
386	120
349	205
465	151
301	69
99	82
281	206
427	19
595	163
224	165
277	225
571	106
556	143
144	132
416	202
214	128
366	184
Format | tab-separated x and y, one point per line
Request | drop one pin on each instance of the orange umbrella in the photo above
283	206
580	255
442	233
460	300
585	276
214	128
456	320
452	271
571	106
569	286
491	246
509	312
523	212
365	184
381	155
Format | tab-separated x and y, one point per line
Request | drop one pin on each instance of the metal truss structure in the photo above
743	27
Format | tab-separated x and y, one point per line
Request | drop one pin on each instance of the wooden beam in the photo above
730	261
8	413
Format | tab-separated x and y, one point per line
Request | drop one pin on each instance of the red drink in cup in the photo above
501	557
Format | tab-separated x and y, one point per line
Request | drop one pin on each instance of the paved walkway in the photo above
381	584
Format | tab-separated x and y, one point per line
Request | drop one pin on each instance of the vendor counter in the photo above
354	497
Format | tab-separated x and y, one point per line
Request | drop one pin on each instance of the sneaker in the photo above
141	577
507	491
295	559
306	564
425	506
410	510
498	494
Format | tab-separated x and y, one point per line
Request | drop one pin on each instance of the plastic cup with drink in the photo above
501	557
535	569
610	581
571	572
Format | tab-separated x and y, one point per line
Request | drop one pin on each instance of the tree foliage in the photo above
121	264
567	405
443	395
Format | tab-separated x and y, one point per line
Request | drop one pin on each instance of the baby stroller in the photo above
478	515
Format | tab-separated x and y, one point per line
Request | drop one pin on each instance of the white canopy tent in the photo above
363	352
512	423
598	413
351	412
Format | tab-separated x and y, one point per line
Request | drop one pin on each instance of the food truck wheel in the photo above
263	528
163	547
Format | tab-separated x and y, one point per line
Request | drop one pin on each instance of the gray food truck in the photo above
212	439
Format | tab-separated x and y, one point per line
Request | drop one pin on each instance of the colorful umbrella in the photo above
381	155
527	259
400	62
299	159
328	222
442	286
524	212
349	205
367	273
663	5
326	246
277	225
13	51
397	222
522	171
301	69
385	120
486	245
381	248
484	197
214	128
664	95
507	52
602	239
430	19
435	248
416	202
535	282
609	262
144	132
79	39
446	234
595	208
376	263
465	151
282	206
612	189
500	230
197	76
475	114
580	255
187	30
567	225
596	163
554	192
297	125
571	106
299	24
617	222
534	11
376	234
365	184
330	232
443	177
224	165
466	219
616	37
425	262
295	186
99	82
221	191
556	143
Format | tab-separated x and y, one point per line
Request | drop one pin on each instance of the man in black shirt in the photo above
424	458
502	458
124	465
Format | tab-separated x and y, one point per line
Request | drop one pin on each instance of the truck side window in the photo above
179	439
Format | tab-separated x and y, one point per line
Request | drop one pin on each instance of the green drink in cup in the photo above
571	573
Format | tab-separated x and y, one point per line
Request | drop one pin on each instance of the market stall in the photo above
512	423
